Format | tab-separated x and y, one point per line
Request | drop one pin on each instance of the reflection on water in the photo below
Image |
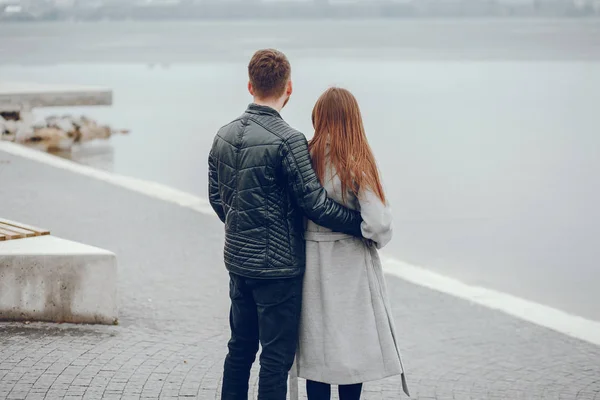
96	155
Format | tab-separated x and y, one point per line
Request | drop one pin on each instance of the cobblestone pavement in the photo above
173	330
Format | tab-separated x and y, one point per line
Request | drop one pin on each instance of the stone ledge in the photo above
15	95
51	279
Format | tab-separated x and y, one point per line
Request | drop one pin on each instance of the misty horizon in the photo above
47	10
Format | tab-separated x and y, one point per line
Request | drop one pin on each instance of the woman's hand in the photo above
370	243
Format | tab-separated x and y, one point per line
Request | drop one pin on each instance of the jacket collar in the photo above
257	109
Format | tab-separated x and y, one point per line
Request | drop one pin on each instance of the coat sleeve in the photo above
377	218
214	195
308	193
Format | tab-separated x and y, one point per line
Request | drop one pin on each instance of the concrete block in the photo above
51	279
16	95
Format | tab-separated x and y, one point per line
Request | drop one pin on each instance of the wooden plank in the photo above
38	231
2	237
10	234
16	229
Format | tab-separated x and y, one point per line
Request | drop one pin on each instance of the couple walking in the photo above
303	223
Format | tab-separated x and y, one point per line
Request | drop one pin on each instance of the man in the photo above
261	185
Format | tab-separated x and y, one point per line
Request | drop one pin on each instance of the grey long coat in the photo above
347	333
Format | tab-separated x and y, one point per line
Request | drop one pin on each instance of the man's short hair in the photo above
269	71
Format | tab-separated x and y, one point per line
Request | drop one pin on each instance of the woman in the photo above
347	334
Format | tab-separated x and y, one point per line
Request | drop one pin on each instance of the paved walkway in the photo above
173	320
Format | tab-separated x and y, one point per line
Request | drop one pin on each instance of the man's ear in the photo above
250	88
289	88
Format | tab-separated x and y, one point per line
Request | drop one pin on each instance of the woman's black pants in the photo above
322	391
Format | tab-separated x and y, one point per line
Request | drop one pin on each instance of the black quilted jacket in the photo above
261	185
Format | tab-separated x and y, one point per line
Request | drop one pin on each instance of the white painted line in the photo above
527	310
539	314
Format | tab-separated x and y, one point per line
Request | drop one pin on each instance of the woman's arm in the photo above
377	218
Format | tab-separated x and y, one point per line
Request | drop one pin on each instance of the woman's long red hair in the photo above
338	124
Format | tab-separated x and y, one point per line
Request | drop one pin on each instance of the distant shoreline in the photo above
317	10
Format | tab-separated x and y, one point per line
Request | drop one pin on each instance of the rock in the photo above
55	133
47	139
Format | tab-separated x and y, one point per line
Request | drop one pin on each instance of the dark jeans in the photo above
265	311
322	391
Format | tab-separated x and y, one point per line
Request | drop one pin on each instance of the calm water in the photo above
487	133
